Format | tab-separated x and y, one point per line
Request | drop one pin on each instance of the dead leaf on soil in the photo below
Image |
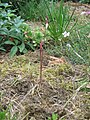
55	60
88	86
1	61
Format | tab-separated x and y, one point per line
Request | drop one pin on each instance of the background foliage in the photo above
19	38
15	35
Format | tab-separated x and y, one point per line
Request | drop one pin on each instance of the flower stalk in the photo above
41	59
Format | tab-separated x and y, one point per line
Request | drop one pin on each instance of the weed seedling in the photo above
53	117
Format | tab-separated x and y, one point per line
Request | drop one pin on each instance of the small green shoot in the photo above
53	117
2	115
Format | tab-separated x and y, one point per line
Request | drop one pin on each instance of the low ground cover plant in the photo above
59	24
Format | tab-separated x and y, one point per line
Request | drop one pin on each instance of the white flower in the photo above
88	12
66	34
34	41
82	13
68	45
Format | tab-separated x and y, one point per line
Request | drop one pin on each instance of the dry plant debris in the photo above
59	92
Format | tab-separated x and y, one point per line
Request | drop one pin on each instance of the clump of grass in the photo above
33	10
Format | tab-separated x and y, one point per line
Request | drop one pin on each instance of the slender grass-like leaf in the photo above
9	42
68	22
59	21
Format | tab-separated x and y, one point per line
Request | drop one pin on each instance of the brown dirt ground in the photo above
56	93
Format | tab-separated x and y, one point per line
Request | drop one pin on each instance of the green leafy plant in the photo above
1	44
78	50
84	1
10	31
16	3
37	37
33	10
77	46
59	21
53	117
6	115
28	11
15	35
42	10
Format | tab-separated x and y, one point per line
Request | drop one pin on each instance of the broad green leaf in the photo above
4	4
13	51
16	42
16	33
10	14
21	47
4	31
1	38
1	48
9	42
17	36
31	46
25	51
